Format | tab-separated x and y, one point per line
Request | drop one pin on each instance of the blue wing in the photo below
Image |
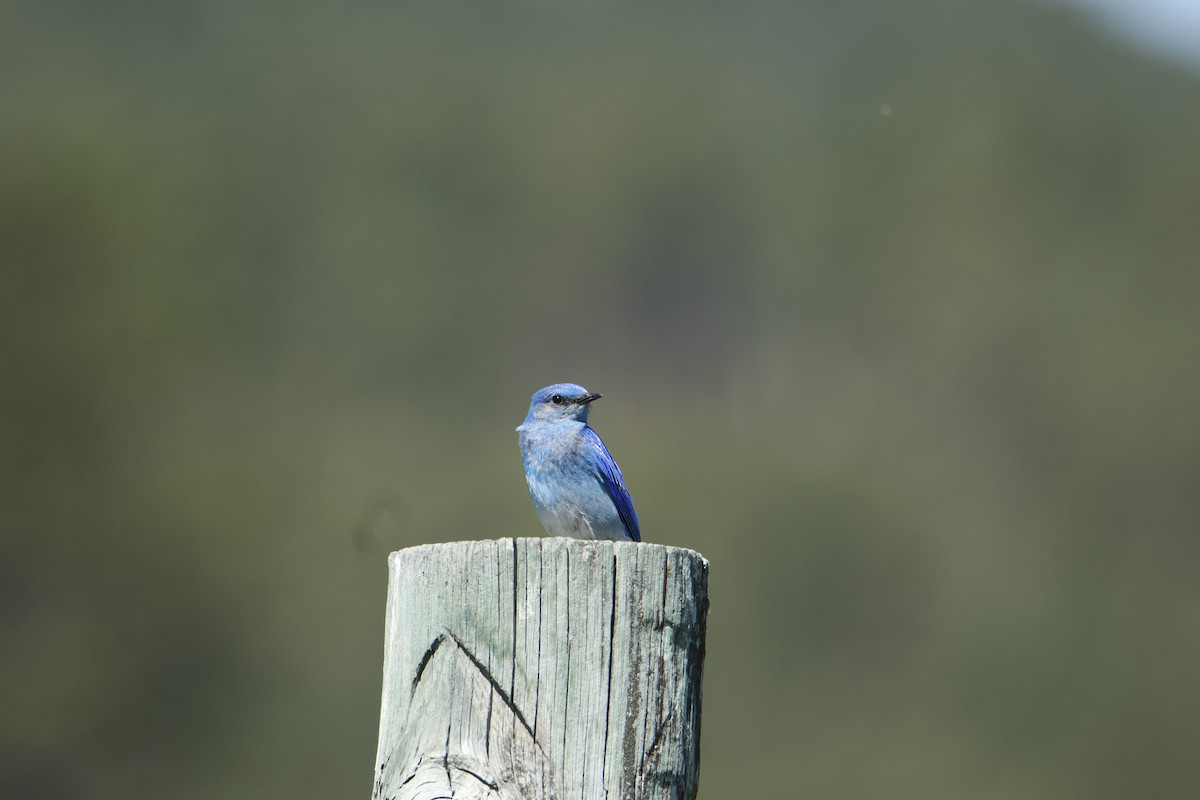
613	482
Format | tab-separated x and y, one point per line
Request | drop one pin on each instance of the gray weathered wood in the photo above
534	669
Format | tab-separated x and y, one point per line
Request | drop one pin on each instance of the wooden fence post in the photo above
535	669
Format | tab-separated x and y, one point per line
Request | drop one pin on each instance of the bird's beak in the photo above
587	398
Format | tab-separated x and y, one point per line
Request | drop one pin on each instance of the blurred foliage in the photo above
894	306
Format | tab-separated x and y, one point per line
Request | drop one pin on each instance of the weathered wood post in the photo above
534	669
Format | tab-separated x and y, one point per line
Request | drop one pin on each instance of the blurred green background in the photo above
893	305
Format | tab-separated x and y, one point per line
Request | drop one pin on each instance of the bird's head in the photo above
562	402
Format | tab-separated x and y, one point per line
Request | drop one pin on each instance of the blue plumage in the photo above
576	486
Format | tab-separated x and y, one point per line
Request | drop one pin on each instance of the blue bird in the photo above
576	486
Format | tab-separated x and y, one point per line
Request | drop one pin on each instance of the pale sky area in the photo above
1170	28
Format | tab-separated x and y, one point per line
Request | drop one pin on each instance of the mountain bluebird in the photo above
576	486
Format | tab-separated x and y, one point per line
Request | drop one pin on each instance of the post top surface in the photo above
553	543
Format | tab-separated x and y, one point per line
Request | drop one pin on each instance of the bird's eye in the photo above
557	399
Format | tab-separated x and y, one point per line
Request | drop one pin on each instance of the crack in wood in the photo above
512	676
433	648
446	760
656	741
566	657
537	686
495	787
612	634
487	674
